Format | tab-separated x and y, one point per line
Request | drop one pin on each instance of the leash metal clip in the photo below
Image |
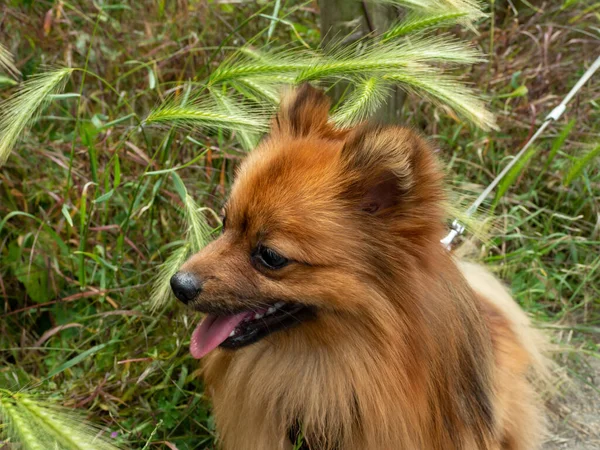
456	229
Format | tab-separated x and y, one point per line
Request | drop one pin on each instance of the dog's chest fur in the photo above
339	397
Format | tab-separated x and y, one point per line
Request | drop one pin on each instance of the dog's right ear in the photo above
303	112
384	164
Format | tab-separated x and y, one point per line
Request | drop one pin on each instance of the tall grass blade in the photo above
7	82
161	289
581	163
261	90
17	428
446	90
7	62
368	95
473	8
77	359
559	142
199	231
255	69
198	234
510	178
202	113
251	64
343	62
247	138
65	428
415	23
409	62
390	57
38	425
179	186
20	110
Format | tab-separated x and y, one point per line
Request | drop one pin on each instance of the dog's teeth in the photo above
271	310
232	333
279	304
258	316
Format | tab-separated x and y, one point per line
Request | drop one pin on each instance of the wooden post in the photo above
346	21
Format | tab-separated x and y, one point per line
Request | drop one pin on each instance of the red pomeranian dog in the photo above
332	309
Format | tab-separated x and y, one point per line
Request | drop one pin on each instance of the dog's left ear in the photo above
303	112
382	163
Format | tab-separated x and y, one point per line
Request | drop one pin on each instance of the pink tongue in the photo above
212	331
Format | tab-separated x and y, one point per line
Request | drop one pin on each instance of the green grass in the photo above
100	198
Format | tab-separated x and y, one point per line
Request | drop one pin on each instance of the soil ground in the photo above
575	416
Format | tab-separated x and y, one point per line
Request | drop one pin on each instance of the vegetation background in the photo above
148	106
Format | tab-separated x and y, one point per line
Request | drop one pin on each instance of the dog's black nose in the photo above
185	286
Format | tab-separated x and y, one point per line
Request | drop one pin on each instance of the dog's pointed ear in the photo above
384	163
303	111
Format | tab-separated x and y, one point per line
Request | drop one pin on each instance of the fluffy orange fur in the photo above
410	348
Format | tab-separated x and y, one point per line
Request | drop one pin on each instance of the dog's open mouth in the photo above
237	330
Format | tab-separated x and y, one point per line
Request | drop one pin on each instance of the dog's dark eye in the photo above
223	223
270	258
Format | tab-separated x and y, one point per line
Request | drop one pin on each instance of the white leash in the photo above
457	228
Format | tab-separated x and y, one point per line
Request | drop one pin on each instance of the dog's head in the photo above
318	222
